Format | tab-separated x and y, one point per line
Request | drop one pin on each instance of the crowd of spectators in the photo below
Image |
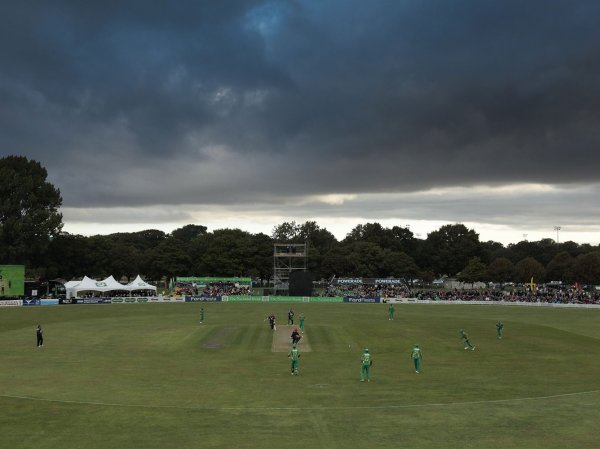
213	289
368	290
543	294
223	288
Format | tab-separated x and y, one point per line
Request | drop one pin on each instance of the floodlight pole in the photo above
557	229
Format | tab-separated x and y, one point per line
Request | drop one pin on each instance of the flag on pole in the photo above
532	284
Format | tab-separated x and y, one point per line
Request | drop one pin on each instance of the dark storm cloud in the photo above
140	103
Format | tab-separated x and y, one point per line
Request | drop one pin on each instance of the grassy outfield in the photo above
150	376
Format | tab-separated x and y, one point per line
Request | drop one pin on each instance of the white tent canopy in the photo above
139	284
73	288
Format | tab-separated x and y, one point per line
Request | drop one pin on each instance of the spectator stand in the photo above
542	294
382	288
211	286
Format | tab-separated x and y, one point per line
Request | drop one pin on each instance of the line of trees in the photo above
369	250
30	234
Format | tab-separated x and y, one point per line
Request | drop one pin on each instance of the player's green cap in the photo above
366	350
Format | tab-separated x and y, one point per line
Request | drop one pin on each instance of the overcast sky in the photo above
245	114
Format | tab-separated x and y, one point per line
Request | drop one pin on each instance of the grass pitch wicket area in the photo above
150	376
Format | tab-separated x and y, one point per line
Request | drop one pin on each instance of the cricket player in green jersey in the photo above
466	340
499	327
391	311
366	363
416	355
302	322
294	354
201	315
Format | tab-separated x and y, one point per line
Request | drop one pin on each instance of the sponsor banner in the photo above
49	301
31	302
356	299
348	281
286	299
244	298
369	281
326	299
202	298
398	300
389	281
142	299
10	302
94	300
172	299
66	301
248	298
129	300
204	281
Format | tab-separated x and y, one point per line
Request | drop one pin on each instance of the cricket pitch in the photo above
282	340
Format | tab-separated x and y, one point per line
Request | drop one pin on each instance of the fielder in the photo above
294	354
366	363
416	355
499	327
466	340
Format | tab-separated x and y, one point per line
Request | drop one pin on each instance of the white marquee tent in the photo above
73	288
139	284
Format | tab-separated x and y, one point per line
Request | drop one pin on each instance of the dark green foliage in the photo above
29	216
189	232
474	271
527	269
587	268
451	247
191	250
561	268
501	270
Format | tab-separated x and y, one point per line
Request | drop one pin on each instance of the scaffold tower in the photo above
287	258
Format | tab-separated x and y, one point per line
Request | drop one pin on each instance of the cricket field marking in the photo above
358	407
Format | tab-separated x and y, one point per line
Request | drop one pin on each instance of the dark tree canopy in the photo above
587	269
29	216
189	232
528	269
561	268
501	270
451	247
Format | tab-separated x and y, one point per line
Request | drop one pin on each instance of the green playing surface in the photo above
151	376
